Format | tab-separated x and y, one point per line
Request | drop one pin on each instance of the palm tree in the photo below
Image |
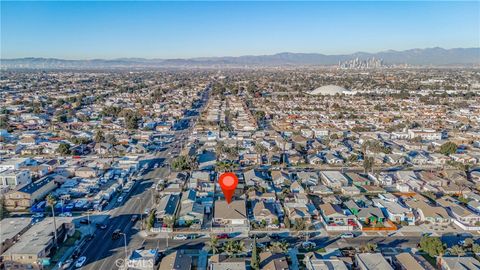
255	261
456	250
51	202
169	221
232	248
213	245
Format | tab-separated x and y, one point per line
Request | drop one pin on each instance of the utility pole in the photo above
125	243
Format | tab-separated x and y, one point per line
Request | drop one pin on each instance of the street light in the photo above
89	224
125	243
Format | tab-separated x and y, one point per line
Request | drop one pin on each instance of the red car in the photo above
222	236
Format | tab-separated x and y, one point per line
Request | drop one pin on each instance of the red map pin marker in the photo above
228	182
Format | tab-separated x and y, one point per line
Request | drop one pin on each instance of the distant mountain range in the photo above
414	57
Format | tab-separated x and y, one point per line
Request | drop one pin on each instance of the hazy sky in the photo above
85	30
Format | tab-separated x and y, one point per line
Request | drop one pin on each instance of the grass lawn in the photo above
71	240
59	253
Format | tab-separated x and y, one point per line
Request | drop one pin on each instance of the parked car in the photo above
38	215
222	236
80	261
120	199
76	253
85	221
116	234
66	264
180	237
347	235
101	226
134	218
308	244
273	226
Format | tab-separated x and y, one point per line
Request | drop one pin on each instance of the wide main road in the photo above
104	253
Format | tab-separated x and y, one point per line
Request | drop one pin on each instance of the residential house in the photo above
11	230
190	213
394	211
315	261
407	261
333	179
265	212
233	214
457	262
371	261
33	248
23	197
167	208
273	261
335	219
428	213
14	178
176	260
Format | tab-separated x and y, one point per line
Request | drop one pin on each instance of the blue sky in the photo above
86	30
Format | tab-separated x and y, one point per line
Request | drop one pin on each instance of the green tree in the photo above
476	248
352	158
299	224
181	163
99	136
456	250
255	261
368	163
278	247
287	223
448	148
151	220
64	149
3	211
212	245
131	121
169	221
369	247
469	242
4	122
232	248
62	118
432	245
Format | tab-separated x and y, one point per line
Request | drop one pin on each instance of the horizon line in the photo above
224	56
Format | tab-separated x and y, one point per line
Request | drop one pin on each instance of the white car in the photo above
308	244
66	264
180	237
80	261
120	199
38	215
347	235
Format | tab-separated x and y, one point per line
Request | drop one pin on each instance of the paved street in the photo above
102	252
